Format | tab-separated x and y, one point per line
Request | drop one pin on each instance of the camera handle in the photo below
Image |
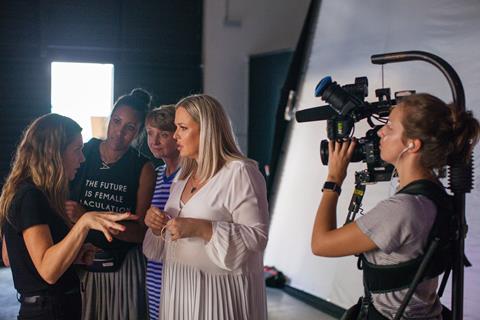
450	74
460	176
355	202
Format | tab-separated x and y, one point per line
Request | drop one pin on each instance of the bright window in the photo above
83	92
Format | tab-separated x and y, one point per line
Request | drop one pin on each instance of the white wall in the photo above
347	34
265	25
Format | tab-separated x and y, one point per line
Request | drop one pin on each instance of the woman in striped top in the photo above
160	129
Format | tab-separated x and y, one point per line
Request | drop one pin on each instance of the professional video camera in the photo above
347	105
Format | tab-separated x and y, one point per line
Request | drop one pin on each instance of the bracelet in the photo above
329	185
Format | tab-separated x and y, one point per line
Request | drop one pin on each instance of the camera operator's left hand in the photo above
339	157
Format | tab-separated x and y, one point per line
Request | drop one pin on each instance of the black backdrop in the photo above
155	44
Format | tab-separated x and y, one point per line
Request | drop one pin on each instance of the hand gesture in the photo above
106	222
155	219
74	210
339	157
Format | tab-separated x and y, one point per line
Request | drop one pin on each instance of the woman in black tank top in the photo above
115	177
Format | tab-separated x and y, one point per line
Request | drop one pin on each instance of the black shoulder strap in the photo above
443	202
444	227
434	191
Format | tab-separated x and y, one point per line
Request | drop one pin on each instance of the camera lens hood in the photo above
322	85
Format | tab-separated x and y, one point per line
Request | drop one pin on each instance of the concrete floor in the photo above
281	306
8	296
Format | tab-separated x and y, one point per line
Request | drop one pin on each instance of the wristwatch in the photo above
329	185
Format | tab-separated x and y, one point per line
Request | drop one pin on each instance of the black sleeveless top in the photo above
113	187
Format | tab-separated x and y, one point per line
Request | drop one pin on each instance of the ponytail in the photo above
465	134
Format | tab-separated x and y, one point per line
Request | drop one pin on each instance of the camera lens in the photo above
324	152
358	152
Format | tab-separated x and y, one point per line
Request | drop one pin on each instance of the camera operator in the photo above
422	134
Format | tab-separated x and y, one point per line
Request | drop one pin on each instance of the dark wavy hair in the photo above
139	100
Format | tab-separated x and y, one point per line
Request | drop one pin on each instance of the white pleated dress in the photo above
223	278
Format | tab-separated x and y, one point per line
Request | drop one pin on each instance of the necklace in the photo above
104	166
194	187
107	161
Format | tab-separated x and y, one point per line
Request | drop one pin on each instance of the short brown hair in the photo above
162	118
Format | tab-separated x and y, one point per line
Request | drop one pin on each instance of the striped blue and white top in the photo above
154	268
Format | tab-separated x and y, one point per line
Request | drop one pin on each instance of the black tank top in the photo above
113	187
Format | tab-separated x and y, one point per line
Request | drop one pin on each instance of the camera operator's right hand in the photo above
155	219
105	222
340	154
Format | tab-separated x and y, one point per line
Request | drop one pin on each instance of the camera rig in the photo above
346	106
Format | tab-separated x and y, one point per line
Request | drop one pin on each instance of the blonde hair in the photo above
217	143
39	159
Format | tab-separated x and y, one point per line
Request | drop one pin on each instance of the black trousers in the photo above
52	307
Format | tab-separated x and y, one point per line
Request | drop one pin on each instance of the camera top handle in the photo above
450	74
460	176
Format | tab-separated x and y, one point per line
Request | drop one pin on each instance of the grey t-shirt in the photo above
400	226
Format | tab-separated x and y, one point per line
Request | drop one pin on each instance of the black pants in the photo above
52	307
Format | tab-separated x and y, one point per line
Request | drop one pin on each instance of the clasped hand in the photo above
178	227
156	220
